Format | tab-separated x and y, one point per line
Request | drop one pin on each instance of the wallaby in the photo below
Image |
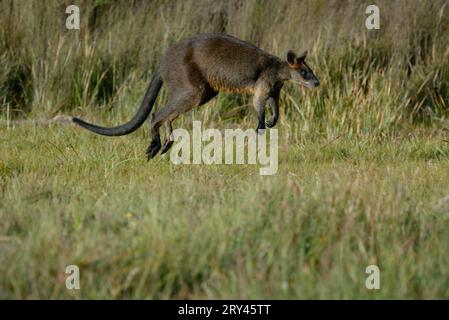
197	68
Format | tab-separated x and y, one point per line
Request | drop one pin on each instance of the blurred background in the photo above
374	82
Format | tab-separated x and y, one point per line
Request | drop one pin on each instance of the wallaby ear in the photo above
302	56
291	57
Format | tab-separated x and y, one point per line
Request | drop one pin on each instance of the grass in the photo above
142	229
363	168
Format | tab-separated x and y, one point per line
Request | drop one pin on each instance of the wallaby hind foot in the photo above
154	147
169	139
167	146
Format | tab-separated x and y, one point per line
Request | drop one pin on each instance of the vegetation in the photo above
363	168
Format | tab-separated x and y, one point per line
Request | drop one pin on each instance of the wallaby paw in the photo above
270	123
153	149
167	146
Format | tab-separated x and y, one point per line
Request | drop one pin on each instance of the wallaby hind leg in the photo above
180	101
169	113
168	137
155	144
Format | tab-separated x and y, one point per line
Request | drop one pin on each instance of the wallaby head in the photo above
299	71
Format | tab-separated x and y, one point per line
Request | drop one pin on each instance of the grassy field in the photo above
142	229
363	160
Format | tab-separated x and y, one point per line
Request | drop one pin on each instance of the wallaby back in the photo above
224	62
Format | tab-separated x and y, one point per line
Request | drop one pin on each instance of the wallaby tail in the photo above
138	119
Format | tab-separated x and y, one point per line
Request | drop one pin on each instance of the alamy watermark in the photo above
228	148
72	281
373	20
73	20
372	282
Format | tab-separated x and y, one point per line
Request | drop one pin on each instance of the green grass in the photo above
363	160
141	229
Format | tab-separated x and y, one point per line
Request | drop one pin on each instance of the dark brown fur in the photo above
197	68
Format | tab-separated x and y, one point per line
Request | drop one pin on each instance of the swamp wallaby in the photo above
197	68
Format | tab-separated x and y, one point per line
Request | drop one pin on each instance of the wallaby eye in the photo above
302	73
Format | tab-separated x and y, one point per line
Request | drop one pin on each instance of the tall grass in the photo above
363	160
373	81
